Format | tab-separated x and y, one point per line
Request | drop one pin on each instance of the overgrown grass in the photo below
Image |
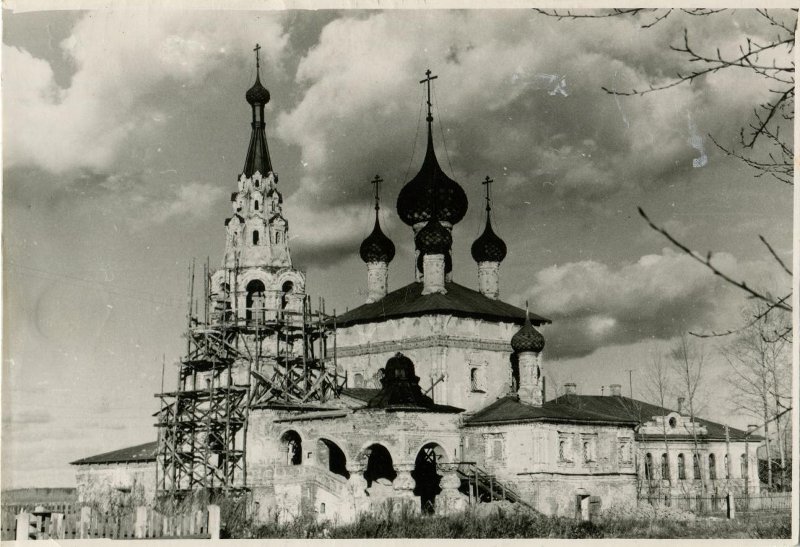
520	524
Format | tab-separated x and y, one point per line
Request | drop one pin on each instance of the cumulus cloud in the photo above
121	58
593	305
569	144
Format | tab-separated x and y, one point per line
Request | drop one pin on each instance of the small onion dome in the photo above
433	239
527	339
448	263
399	369
430	186
489	247
377	247
258	94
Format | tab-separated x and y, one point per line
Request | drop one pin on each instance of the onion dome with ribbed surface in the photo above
489	247
527	338
258	94
377	247
433	239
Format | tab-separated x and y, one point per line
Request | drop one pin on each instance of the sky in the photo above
125	131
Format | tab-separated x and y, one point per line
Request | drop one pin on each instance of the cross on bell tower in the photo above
258	61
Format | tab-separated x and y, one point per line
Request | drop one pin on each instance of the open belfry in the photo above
430	395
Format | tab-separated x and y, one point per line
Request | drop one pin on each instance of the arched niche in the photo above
291	448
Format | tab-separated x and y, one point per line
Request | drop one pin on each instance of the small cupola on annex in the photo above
377	251
528	344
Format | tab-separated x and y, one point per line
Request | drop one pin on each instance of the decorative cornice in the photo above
436	340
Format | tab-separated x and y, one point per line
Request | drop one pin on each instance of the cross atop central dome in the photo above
415	203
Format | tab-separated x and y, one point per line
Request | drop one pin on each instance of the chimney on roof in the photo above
569	389
681	401
615	390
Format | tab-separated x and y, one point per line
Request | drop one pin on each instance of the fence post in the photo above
140	530
23	526
213	521
57	525
86	516
731	506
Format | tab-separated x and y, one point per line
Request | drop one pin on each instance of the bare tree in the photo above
688	364
658	386
765	142
761	379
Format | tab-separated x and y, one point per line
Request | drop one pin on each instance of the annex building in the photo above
429	395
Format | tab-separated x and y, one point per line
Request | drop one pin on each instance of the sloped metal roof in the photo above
510	410
460	301
140	453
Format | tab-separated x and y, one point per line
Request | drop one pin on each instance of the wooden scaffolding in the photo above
237	360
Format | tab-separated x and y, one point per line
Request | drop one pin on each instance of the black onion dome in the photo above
448	263
433	239
527	339
258	94
377	247
489	247
416	200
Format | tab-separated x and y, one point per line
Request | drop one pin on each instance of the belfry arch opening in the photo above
286	290
292	448
254	301
426	475
332	457
379	464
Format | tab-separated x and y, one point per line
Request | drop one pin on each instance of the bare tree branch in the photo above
706	261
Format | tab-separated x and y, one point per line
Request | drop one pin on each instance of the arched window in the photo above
681	467
664	467
286	288
712	467
330	456
648	466
475	380
587	451
562	451
256	205
727	467
358	380
695	466
254	301
292	447
743	465
255	237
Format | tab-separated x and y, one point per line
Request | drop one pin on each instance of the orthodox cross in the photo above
376	182
427	80
256	49
486	183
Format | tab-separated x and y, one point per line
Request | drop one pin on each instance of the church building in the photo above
429	395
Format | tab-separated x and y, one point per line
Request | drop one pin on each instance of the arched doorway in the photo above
254	302
426	475
332	457
292	446
379	464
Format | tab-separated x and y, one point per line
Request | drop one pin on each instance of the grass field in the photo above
517	524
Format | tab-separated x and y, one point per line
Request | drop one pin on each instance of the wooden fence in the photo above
723	505
74	522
